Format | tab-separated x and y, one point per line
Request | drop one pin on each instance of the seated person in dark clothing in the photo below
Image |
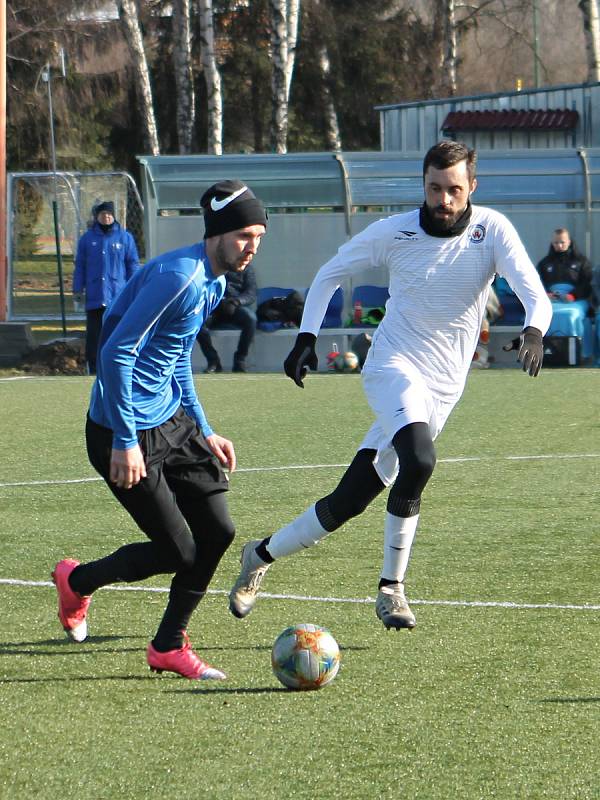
596	288
234	311
564	264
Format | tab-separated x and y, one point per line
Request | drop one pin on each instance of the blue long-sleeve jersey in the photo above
144	370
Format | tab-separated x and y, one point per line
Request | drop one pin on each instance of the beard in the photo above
436	223
226	262
443	218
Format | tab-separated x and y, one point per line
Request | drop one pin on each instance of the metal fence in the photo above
40	253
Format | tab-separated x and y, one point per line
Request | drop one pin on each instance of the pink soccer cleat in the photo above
184	662
72	607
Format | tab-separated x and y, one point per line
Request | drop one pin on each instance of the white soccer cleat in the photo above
392	609
245	590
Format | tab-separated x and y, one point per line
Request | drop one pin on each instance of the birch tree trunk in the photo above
184	78
284	35
315	15
293	19
449	48
212	77
128	15
332	127
591	29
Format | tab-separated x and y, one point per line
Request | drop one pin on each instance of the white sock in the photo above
398	536
303	532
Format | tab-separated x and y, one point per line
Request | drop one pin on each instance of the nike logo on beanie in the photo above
218	205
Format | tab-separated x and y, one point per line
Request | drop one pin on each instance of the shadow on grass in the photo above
83	648
346	648
59	647
80	679
66	641
239	690
211	688
65	647
560	700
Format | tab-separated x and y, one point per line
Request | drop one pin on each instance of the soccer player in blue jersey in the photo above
149	438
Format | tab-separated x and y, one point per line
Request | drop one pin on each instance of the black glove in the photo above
531	350
301	357
227	307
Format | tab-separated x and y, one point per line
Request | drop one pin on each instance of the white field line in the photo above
289	467
353	600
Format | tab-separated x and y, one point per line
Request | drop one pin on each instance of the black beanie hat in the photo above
107	205
229	206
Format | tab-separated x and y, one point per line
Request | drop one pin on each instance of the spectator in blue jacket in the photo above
106	258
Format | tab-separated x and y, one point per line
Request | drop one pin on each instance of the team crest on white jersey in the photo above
477	233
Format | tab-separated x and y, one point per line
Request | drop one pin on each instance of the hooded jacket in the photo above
104	263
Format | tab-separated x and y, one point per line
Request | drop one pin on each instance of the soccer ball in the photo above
346	362
305	657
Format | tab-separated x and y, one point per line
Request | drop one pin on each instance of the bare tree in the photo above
591	29
449	48
284	35
212	77
128	14
332	127
455	23
184	78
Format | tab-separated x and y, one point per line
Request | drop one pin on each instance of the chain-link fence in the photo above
48	212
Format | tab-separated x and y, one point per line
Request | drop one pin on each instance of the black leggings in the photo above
361	484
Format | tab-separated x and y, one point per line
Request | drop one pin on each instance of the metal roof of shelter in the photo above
317	200
281	181
345	181
548	117
560	119
529	93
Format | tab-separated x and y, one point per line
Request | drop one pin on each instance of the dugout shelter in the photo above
316	201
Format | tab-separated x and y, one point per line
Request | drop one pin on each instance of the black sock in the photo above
132	562
182	604
386	582
262	552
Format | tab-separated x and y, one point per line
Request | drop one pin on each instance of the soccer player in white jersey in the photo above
441	259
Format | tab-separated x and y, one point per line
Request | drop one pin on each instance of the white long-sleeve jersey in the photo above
438	290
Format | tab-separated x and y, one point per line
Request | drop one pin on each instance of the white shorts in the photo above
399	396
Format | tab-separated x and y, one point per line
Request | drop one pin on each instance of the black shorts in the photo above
177	446
180	466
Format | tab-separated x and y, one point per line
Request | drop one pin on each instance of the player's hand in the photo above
127	467
301	357
223	449
531	350
227	308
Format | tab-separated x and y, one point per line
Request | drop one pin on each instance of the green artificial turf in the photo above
481	700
